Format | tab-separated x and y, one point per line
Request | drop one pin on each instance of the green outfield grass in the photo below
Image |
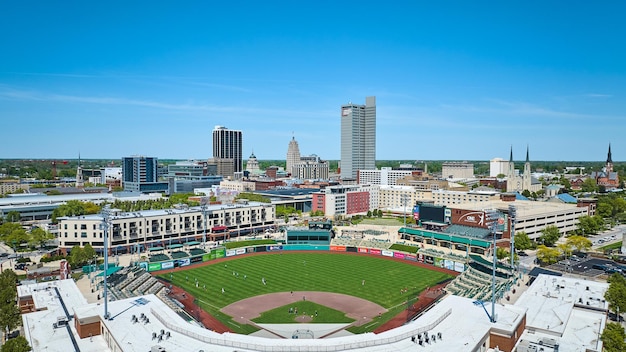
375	279
319	314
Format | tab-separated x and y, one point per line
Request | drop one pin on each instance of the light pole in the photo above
492	221
405	199
512	215
105	228
203	205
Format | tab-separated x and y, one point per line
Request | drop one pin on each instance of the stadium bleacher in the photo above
468	231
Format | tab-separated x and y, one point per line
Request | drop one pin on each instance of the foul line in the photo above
209	304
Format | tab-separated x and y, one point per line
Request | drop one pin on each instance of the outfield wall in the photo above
223	253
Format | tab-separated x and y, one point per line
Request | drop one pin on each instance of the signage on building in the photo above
416	212
474	218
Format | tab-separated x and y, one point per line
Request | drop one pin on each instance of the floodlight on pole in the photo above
492	222
104	226
405	200
513	217
203	207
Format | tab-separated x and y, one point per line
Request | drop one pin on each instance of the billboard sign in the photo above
412	257
364	250
338	248
416	212
167	265
387	253
182	262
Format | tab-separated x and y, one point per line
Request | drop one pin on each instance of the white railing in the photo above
296	345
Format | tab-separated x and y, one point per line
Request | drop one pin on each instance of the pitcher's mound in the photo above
304	318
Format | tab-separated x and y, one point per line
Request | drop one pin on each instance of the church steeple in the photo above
80	182
511	157
527	159
609	161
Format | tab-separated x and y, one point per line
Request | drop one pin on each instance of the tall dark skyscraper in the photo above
227	144
358	138
140	174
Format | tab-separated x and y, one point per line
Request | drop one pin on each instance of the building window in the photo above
83	234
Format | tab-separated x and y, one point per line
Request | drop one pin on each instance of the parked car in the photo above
20	266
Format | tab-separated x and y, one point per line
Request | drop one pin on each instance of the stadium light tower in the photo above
104	226
492	221
405	200
203	205
513	217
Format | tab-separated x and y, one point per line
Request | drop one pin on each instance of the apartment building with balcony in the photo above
136	231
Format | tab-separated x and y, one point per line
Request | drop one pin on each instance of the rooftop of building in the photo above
525	208
570	310
118	214
138	323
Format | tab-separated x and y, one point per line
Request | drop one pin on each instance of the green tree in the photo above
12	233
7	229
253	197
613	338
549	235
501	253
9	313
565	182
615	295
526	193
40	236
77	257
565	249
580	243
317	213
589	185
88	252
369	213
522	241
590	224
18	344
547	254
604	209
13	216
92	208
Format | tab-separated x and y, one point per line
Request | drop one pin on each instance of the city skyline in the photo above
454	81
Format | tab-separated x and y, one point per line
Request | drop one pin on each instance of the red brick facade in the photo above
357	202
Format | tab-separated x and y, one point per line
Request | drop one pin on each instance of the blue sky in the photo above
453	80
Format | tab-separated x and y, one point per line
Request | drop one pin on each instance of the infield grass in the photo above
375	279
318	313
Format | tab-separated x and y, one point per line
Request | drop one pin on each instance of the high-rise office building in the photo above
293	155
358	138
140	174
227	144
